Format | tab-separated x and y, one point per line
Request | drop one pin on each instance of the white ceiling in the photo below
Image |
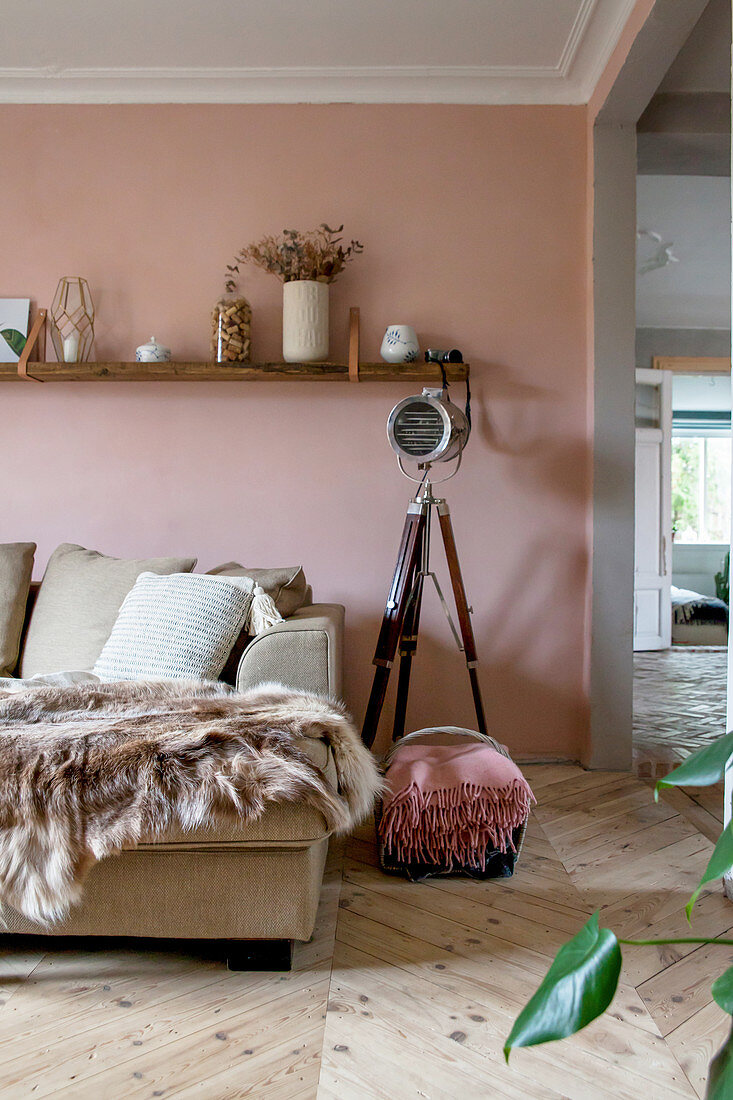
692	213
281	51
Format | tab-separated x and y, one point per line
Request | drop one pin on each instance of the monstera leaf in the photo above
702	769
582	980
720	1075
720	863
578	987
14	339
722	990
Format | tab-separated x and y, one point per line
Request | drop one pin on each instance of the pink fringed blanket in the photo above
447	804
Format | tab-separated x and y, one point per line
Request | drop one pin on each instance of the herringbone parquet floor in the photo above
679	704
407	990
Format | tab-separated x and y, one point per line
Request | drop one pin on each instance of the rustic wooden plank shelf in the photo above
428	373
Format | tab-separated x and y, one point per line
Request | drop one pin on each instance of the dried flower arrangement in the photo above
317	254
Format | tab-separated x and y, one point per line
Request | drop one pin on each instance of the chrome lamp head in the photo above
427	428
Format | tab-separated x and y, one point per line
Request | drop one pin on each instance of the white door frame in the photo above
659	579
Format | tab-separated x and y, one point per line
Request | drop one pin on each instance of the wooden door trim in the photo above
689	364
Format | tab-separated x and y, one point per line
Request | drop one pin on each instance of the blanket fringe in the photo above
454	825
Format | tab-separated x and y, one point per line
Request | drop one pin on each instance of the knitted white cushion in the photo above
176	627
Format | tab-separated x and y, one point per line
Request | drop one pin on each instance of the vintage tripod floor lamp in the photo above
425	429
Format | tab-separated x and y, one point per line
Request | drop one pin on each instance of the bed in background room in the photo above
698	619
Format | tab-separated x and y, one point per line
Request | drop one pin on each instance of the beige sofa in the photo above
255	886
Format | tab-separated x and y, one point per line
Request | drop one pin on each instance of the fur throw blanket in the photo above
88	769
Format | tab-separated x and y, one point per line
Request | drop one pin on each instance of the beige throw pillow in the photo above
287	585
16	567
78	603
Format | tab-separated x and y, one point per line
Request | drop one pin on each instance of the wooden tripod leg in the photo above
394	617
464	615
407	647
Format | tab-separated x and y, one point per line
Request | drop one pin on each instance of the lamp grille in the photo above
418	429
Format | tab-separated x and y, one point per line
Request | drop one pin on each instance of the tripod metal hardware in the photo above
420	480
401	619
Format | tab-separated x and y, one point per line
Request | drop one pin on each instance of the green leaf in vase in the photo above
578	987
14	339
723	991
703	768
721	861
720	1075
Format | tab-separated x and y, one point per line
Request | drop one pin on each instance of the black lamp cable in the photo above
446	384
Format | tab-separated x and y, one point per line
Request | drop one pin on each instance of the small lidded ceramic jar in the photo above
152	352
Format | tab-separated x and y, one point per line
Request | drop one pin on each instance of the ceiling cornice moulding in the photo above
594	62
575	37
414	84
571	80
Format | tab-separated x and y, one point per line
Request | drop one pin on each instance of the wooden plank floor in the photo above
407	990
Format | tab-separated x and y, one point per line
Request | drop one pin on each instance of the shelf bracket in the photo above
354	344
37	336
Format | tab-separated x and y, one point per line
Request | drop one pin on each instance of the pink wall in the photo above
474	225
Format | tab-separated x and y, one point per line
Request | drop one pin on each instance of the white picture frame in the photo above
14	316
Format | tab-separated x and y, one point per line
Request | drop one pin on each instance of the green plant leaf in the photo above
720	1074
14	339
577	988
721	861
704	767
723	991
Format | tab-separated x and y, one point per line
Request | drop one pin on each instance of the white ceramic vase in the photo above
305	321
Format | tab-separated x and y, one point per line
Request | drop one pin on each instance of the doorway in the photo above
683	338
653	125
682	558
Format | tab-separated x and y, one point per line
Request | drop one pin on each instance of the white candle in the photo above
71	348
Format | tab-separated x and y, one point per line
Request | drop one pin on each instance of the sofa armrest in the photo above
303	652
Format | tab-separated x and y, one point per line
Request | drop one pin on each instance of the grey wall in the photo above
614	390
685	130
682	342
703	63
695	567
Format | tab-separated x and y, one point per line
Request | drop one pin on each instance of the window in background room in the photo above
701	488
701	460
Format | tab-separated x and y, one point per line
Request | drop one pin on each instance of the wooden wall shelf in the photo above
428	373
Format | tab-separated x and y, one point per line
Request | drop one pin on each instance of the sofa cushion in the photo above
177	627
77	605
16	568
287	585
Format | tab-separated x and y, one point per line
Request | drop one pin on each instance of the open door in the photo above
653	532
